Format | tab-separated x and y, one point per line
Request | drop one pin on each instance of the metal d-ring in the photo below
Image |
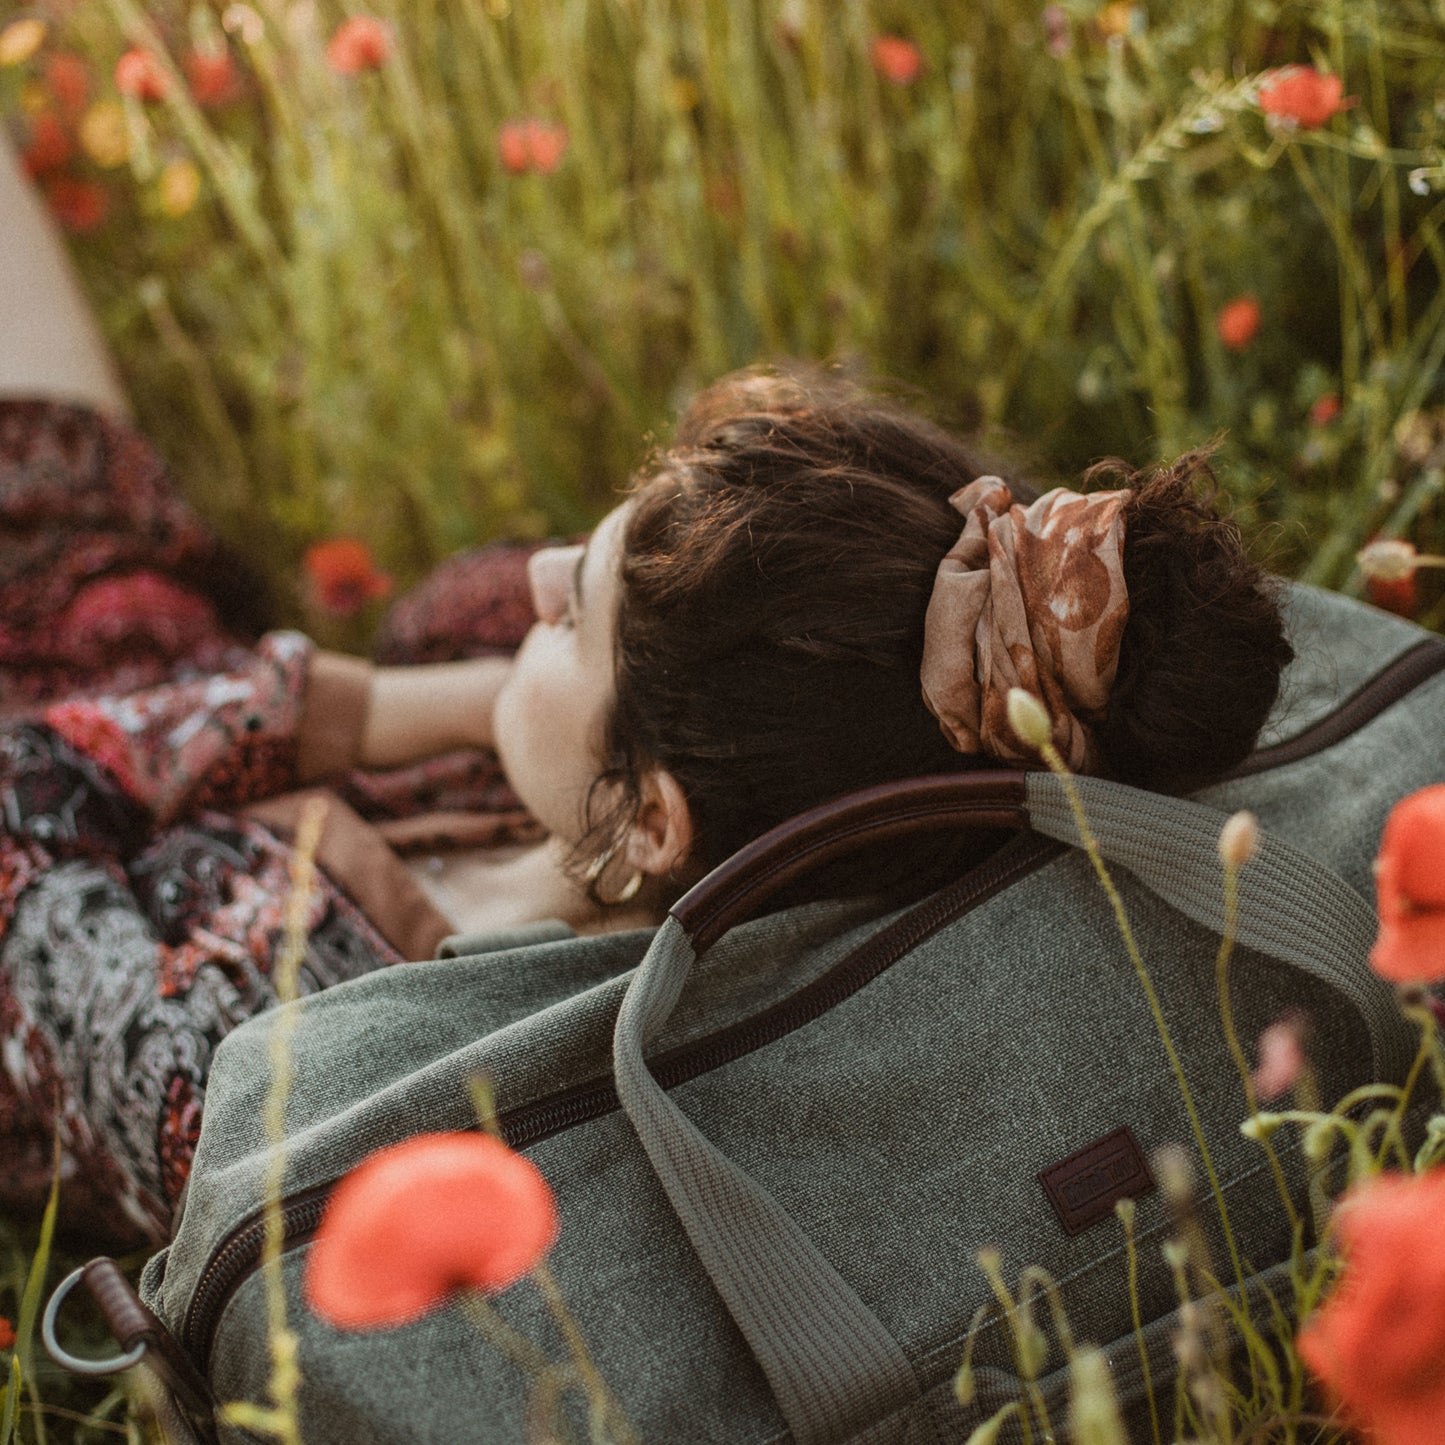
62	1356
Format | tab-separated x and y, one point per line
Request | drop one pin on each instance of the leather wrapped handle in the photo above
734	890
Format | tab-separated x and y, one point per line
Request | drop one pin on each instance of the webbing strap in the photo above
1291	906
833	1368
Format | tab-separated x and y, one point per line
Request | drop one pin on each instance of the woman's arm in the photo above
418	712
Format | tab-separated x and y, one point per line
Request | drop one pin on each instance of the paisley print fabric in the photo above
1029	597
140	909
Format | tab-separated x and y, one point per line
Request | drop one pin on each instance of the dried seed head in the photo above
1175	1173
1239	839
1028	719
1093	1409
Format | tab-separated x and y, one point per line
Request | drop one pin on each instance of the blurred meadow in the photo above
439	272
438	278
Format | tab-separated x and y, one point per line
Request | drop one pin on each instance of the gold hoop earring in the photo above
594	873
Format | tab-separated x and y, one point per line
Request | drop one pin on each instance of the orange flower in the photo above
212	77
67	77
1325	410
49	146
361	43
79	206
897	60
1237	322
420	1220
1410	890
1300	95
140	74
1378	1344
342	576
7	1334
531	145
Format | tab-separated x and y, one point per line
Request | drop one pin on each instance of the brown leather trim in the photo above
333	715
736	889
132	1323
356	858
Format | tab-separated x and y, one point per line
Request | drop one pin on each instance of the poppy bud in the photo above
1026	716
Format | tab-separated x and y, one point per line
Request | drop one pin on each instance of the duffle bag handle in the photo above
834	1369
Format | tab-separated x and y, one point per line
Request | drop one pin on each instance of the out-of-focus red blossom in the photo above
897	60
1302	95
212	77
67	78
1238	321
418	1221
361	43
1058	36
49	145
1281	1056
531	145
7	1334
1378	1343
1410	892
1325	410
80	206
342	576
140	74
1400	595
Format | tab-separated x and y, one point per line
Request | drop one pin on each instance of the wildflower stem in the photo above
1090	845
1126	1218
606	1414
1231	1036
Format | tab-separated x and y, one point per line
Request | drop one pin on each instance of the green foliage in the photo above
367	325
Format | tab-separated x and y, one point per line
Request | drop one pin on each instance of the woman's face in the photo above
551	712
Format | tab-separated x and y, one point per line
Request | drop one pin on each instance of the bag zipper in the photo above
239	1254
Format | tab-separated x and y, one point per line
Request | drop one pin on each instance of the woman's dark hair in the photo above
776	569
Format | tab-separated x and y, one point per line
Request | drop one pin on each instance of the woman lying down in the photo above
810	591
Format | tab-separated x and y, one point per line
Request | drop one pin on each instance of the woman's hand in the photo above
418	712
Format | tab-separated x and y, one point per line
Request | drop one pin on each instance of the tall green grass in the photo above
367	326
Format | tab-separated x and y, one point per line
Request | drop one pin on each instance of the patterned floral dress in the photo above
146	733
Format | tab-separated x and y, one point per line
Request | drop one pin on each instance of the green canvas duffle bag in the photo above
778	1141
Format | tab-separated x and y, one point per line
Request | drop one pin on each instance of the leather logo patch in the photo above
1085	1187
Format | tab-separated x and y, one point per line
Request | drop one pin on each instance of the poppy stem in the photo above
607	1419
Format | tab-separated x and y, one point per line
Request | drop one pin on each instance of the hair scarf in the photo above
1029	597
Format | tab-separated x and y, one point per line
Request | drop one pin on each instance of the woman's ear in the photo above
661	835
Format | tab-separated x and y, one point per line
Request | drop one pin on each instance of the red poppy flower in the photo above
1410	890
897	60
361	43
1400	595
1325	410
79	206
1301	95
418	1221
342	576
1378	1344
49	146
212	77
140	74
1237	322
531	145
67	78
7	1334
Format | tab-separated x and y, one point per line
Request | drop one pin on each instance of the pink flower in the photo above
418	1221
342	576
1237	322
67	78
1301	95
897	60
1410	890
140	74
1281	1056
361	43
531	145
